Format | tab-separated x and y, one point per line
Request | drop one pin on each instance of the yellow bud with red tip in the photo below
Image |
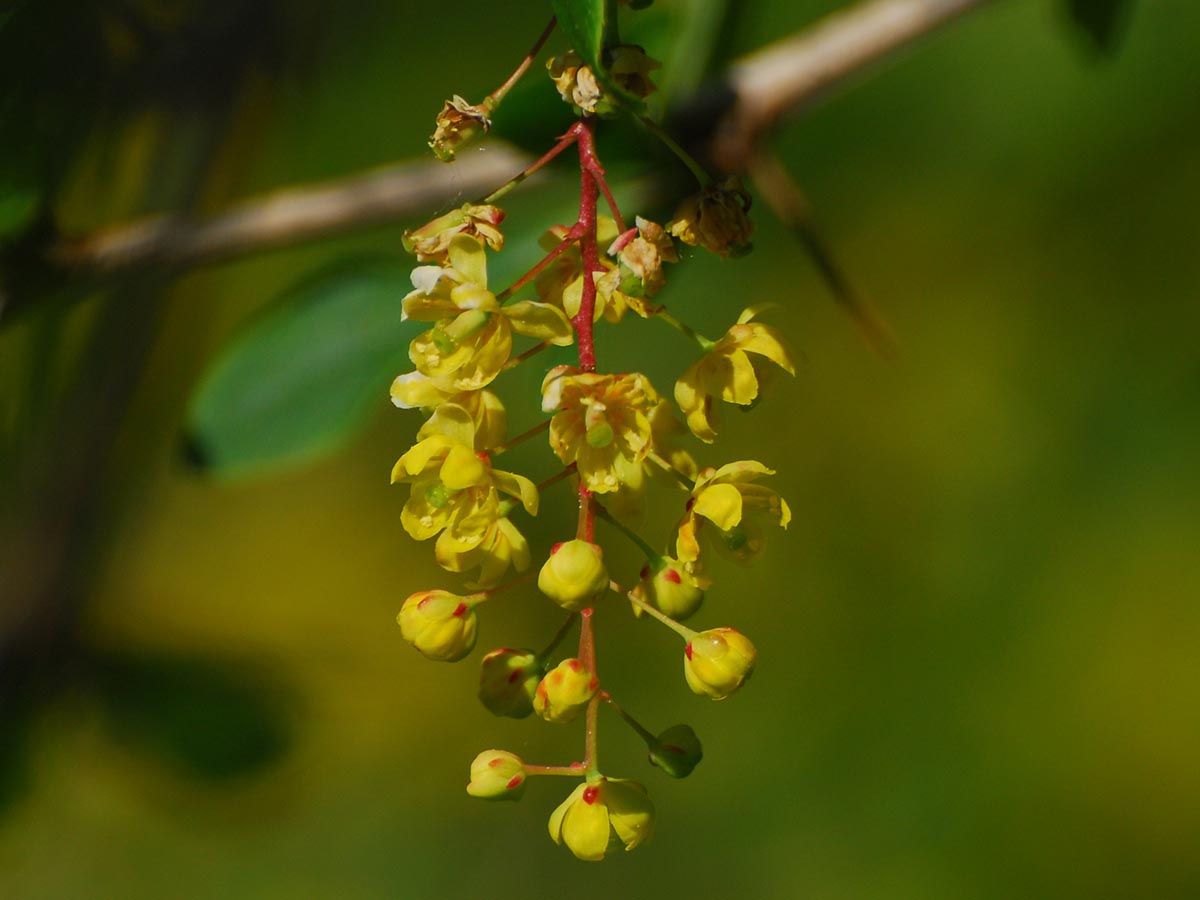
507	682
717	662
438	623
497	775
574	575
565	692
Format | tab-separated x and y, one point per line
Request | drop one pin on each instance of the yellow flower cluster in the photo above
611	432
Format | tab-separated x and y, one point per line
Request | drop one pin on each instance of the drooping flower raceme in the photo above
613	438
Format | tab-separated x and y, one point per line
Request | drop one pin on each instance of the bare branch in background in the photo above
786	77
766	86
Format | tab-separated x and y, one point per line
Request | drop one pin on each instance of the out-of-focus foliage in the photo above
303	378
1103	21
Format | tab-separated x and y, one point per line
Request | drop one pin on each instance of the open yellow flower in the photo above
561	283
472	338
413	390
603	815
727	502
455	490
502	546
733	370
598	420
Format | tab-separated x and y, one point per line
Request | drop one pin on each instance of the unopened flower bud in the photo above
431	242
717	662
574	575
458	124
715	219
497	775
439	624
603	815
508	680
677	751
565	692
670	588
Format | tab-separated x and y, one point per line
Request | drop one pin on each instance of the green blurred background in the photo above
979	640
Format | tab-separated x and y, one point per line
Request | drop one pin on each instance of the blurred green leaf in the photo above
1103	21
305	377
584	23
19	201
16	715
202	717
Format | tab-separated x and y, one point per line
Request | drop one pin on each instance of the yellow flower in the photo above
733	370
561	283
574	575
431	242
455	490
715	219
439	624
603	815
565	691
508	680
458	123
497	775
501	546
413	390
730	502
717	662
598	420
670	588
472	339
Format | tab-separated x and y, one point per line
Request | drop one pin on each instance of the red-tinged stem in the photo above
573	769
533	273
587	656
563	143
498	94
520	438
555	479
598	177
588	195
528	354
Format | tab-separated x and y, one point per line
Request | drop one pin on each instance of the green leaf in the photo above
591	26
1103	21
204	718
301	381
583	22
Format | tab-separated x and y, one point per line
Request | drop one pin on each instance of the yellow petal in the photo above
468	258
419	457
721	504
518	486
434	361
420	519
413	390
556	817
630	812
420	306
739	382
585	829
740	471
769	342
541	321
452	422
462	468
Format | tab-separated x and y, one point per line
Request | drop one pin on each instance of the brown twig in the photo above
764	87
